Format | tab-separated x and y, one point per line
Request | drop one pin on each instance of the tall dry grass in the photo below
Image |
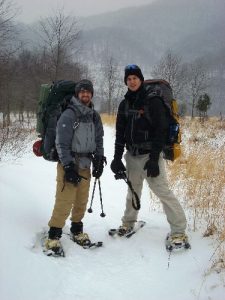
200	174
109	120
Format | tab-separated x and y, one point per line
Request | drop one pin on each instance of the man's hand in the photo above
118	168
71	174
98	165
152	168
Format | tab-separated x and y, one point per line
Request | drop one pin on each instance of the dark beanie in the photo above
84	85
133	70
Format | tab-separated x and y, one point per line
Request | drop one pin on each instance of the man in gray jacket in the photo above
79	141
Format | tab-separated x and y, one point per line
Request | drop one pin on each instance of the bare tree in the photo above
8	12
112	83
198	82
171	68
58	34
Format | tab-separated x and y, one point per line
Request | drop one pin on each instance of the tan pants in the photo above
68	197
159	186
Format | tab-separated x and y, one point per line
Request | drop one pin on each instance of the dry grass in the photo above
109	120
200	175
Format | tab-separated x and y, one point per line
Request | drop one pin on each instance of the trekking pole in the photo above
92	197
100	193
135	202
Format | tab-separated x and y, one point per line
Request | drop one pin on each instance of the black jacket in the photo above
141	124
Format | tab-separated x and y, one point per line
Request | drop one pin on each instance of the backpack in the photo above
53	100
162	89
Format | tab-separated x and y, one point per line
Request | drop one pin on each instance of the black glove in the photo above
98	165
152	168
118	168
71	174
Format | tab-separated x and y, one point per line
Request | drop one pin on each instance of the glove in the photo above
118	168
71	174
98	165
152	168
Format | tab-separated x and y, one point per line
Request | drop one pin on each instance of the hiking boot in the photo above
76	228
77	235
54	233
53	247
123	230
81	239
52	244
177	240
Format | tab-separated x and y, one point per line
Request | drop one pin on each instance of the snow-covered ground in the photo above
135	268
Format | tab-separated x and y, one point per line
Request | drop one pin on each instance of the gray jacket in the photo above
79	132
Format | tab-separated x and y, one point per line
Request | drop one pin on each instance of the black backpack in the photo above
53	100
161	88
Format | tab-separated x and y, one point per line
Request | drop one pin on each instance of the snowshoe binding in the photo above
126	231
53	247
82	239
177	241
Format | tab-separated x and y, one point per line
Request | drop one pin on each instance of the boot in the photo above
123	229
177	240
53	243
76	228
77	234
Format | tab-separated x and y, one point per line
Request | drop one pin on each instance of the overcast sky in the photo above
32	10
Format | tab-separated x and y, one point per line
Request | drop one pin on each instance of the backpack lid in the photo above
159	81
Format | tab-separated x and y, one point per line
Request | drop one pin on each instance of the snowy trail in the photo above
135	268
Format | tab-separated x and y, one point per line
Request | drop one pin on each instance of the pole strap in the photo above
135	199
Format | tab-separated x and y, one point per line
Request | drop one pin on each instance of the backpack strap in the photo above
76	123
126	108
128	111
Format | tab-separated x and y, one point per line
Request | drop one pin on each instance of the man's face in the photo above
133	82
85	97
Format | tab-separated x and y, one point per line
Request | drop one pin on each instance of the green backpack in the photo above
53	100
44	92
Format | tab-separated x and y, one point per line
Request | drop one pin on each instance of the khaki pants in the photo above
69	197
159	185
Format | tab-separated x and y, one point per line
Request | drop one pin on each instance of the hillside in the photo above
190	28
142	34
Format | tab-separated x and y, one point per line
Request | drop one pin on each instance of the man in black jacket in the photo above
144	139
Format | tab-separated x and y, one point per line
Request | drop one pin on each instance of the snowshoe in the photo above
125	231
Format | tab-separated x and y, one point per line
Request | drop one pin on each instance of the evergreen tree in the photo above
203	105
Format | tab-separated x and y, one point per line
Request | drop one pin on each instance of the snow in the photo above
135	268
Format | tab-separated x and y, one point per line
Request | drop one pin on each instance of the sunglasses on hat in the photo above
131	67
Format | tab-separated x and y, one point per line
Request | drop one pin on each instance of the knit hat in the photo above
84	85
133	70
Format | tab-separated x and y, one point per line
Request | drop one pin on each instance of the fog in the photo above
31	11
